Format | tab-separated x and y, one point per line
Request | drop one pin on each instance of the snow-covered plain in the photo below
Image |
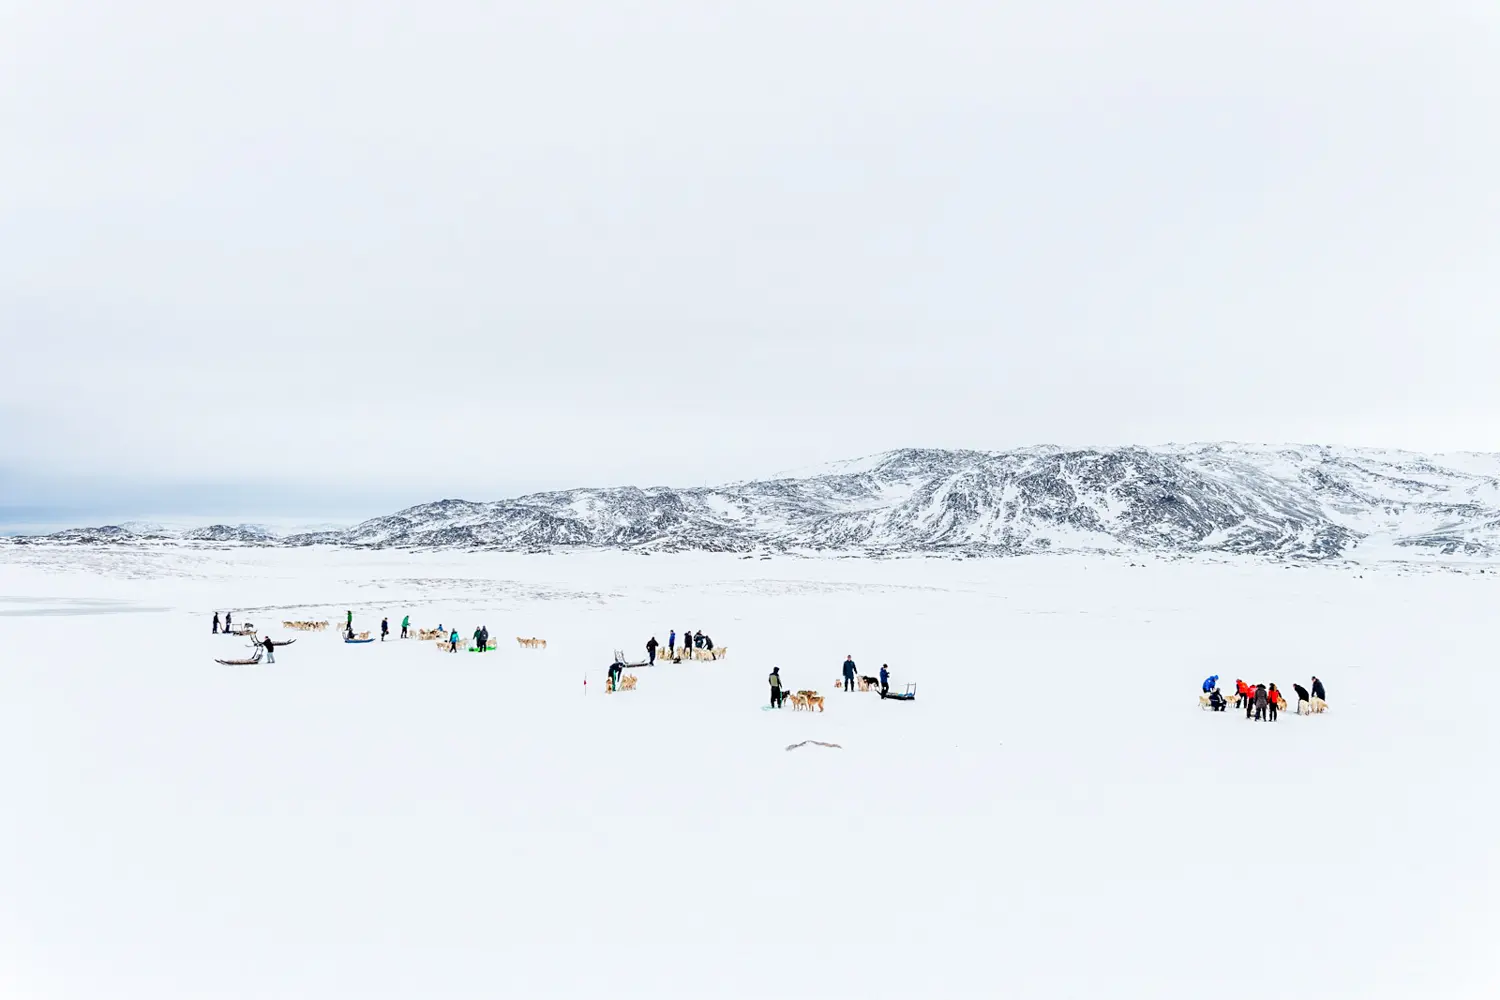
1053	816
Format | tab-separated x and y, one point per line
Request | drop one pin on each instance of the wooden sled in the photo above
252	661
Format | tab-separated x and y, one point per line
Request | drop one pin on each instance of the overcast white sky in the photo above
420	250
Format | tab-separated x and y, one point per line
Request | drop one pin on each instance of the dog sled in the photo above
620	659
356	642
241	630
250	662
910	694
278	645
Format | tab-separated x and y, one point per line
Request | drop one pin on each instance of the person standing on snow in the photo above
270	650
1210	683
1260	703
453	642
405	625
216	623
849	669
885	679
479	640
227	616
775	681
1272	697
349	621
651	651
1301	696
1317	689
1249	701
672	645
385	628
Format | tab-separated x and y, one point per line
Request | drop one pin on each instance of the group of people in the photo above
1261	701
690	640
227	616
778	692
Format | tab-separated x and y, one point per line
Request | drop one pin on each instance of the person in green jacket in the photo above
479	639
348	621
405	624
776	693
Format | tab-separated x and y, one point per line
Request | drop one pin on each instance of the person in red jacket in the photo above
1273	697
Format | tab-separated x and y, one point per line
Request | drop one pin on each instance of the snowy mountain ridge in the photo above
1304	502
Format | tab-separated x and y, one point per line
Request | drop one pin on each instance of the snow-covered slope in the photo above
1312	502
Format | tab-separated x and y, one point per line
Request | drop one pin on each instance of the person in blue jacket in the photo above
672	645
1210	683
885	678
849	672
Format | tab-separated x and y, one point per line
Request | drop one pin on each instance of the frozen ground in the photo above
1053	817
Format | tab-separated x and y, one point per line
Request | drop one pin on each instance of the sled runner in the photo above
252	661
358	641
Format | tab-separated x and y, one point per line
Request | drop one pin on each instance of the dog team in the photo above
806	700
695	646
1262	701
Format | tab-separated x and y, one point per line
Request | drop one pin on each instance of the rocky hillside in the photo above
1297	502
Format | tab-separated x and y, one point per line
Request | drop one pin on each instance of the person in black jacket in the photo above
651	651
615	670
1317	689
708	644
227	616
849	669
1260	703
1301	696
270	650
385	628
216	623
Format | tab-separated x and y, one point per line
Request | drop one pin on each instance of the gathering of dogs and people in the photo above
1263	702
690	644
